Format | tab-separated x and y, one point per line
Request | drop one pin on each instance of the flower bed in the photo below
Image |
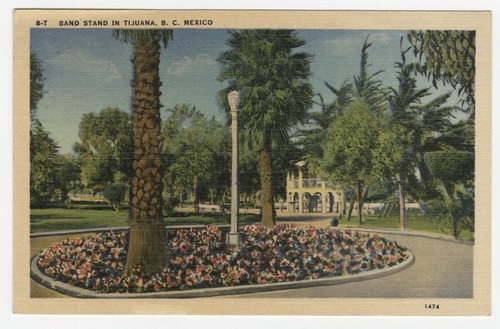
199	258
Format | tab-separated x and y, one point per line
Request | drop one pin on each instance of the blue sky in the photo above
87	70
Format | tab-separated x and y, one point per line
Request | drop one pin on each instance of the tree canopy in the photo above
447	56
37	82
142	37
276	94
105	148
195	148
43	154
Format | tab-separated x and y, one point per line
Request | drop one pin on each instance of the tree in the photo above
365	96
459	135
366	87
43	149
370	91
196	154
43	154
273	77
285	156
147	232
348	158
316	133
408	130
449	161
115	194
453	171
248	165
52	175
447	57
36	84
105	150
67	175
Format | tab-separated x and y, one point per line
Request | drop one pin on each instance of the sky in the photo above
87	70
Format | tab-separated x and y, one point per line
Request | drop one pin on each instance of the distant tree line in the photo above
376	141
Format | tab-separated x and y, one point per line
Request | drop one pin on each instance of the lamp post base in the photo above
234	239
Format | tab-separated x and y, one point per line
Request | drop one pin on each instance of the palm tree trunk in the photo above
402	201
360	203
147	232
266	181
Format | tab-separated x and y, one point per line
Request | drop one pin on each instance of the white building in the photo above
311	194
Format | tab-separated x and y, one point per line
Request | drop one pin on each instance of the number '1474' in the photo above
432	306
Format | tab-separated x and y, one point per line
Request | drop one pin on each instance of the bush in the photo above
115	194
68	202
169	204
459	216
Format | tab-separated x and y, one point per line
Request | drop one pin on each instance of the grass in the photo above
84	216
414	223
56	219
99	215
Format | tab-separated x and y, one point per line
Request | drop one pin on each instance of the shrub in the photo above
169	204
115	194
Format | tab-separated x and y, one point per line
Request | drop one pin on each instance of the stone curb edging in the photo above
417	234
77	292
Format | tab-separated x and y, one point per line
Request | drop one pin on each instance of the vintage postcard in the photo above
252	162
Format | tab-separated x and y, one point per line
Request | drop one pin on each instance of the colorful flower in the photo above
201	258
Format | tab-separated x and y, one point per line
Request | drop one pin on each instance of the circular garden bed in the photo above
200	258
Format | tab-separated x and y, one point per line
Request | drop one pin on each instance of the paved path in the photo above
442	269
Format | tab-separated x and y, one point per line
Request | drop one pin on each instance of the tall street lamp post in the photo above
234	99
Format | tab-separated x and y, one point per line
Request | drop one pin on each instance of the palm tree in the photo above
367	87
276	94
416	124
147	232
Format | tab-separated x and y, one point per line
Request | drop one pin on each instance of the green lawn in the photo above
101	215
414	223
56	219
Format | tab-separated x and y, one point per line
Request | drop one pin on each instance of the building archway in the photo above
306	202
317	202
295	205
308	194
330	201
312	203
